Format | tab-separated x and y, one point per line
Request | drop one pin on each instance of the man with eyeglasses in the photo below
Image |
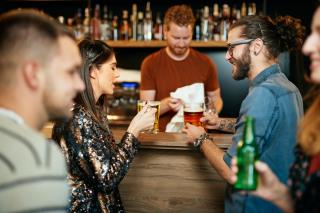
254	43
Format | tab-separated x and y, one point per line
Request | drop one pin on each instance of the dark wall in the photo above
299	9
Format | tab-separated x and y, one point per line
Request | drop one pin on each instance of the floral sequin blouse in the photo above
95	162
304	186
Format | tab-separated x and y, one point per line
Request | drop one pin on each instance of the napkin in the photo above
188	94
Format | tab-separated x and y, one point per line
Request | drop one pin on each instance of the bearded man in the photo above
254	43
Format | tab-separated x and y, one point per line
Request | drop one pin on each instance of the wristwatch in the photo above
198	142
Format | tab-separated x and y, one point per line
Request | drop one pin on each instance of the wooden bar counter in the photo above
168	175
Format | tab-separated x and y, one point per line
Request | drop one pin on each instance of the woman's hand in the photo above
193	132
267	183
144	120
269	186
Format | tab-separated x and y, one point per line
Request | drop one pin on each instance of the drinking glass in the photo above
192	112
209	107
152	104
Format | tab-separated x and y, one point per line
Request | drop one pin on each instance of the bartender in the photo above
177	65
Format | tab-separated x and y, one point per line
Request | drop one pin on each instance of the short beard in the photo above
242	66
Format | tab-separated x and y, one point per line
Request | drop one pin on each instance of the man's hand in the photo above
193	132
175	104
210	120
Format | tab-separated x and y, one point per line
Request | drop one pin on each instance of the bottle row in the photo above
212	23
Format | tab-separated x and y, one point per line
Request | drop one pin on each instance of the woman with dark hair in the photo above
96	163
303	193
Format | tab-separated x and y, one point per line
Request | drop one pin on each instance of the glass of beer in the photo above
192	112
209	107
152	104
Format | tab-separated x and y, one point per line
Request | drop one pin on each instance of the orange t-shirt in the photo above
161	73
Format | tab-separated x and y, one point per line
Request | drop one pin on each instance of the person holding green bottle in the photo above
254	44
303	191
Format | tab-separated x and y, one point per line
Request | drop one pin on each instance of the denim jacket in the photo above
276	105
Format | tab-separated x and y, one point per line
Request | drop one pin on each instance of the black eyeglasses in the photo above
233	44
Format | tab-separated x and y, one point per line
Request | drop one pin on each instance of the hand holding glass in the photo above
209	107
192	113
152	104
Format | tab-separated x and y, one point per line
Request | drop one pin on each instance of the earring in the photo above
255	53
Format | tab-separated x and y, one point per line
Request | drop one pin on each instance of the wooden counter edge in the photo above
161	140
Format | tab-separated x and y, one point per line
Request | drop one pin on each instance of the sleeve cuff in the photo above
227	158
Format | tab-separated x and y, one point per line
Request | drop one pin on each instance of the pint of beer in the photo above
192	113
152	104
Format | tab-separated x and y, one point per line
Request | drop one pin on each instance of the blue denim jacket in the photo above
276	105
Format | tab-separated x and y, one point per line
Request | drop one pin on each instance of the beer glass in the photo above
209	107
192	112
152	104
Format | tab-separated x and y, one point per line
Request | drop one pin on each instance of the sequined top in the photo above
304	186
95	162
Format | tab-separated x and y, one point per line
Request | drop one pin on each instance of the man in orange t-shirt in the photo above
177	65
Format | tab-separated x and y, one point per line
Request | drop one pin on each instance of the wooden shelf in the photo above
158	44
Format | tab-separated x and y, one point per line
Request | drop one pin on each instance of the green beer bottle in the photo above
247	155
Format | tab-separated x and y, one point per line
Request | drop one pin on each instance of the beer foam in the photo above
194	109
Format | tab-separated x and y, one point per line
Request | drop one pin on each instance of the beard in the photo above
178	51
242	66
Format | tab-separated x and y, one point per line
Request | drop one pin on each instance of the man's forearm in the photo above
227	125
215	157
219	104
164	106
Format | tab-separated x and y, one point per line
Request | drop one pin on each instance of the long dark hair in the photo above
285	33
94	53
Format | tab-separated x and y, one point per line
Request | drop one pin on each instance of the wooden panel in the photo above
172	181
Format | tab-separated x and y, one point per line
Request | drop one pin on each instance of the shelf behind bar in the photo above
157	44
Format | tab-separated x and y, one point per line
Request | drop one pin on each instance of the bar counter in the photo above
168	175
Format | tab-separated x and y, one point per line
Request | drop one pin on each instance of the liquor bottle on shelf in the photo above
243	9
124	27
148	24
233	14
158	28
216	23
205	24
140	27
78	27
115	30
70	23
134	21
247	155
252	9
225	22
86	23
197	26
105	27
95	23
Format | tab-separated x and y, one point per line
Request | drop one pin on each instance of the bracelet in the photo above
199	141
